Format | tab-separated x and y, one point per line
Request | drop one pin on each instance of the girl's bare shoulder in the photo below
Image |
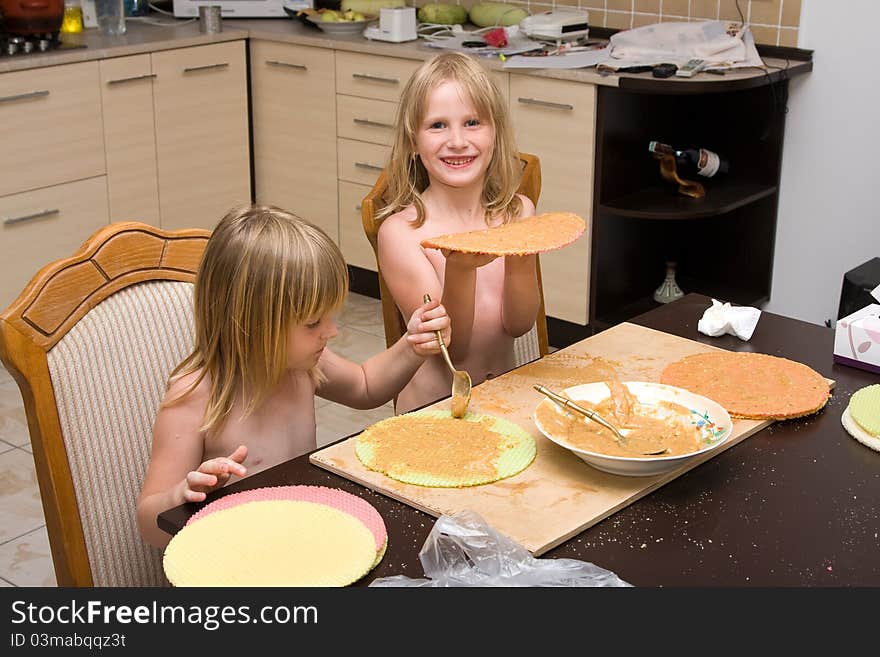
400	226
528	208
180	390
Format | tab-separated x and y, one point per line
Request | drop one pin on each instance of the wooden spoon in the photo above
461	380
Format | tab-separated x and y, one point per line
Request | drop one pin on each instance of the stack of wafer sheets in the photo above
278	536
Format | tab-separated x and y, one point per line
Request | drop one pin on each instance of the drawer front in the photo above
352	240
365	119
50	127
555	120
130	138
43	225
360	162
372	76
294	130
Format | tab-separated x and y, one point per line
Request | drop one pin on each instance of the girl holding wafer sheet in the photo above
265	296
454	168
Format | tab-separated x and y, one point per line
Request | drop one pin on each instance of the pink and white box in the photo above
857	337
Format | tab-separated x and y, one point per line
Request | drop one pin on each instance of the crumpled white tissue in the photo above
723	318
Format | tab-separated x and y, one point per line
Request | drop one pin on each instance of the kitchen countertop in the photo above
143	37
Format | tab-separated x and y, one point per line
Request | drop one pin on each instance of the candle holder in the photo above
668	290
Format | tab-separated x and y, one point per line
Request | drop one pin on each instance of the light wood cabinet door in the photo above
294	127
50	127
130	139
202	139
556	120
43	225
353	241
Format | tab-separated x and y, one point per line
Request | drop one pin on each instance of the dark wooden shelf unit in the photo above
724	242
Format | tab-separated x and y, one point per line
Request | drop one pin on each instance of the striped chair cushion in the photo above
109	374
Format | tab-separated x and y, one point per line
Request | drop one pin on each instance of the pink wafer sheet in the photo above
333	497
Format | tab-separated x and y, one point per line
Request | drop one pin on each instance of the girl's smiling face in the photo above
306	342
453	142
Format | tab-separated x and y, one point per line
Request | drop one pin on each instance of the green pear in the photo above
358	16
330	16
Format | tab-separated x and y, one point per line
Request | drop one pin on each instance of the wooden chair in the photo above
528	347
91	341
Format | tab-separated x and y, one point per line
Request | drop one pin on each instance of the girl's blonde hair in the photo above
407	177
264	271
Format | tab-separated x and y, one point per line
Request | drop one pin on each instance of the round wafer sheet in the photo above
431	448
853	429
334	497
271	543
750	385
543	232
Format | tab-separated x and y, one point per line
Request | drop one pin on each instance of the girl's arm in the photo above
384	375
521	297
176	473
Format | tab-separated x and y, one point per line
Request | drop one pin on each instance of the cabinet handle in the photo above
365	165
373	124
275	62
36	215
193	69
357	207
546	103
374	78
146	76
30	94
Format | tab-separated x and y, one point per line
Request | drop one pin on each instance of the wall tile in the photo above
728	11
764	12
645	19
618	20
648	6
788	37
675	7
765	35
707	9
791	13
620	5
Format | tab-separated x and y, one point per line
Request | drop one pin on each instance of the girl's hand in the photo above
423	326
213	474
460	260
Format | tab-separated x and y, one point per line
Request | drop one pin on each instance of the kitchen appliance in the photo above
238	8
556	25
396	24
23	18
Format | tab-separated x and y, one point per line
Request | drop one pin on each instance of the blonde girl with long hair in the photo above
454	167
265	297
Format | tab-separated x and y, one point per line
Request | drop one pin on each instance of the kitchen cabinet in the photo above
53	188
555	120
176	129
293	94
723	243
130	138
202	133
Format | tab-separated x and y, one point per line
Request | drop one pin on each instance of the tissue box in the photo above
857	339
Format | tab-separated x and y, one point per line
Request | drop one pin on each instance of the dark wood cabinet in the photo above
723	243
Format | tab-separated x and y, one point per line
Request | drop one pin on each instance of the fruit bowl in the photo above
342	27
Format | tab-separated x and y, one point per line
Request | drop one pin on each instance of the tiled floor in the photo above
25	559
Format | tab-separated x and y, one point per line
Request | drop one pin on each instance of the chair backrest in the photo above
91	341
527	347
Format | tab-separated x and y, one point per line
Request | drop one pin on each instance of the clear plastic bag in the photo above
463	550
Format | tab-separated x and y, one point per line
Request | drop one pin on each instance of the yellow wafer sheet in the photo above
271	543
431	448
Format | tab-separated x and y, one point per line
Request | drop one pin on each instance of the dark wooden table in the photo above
797	504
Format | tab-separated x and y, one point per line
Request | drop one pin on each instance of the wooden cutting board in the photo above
558	495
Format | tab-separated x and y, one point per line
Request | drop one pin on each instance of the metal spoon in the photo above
461	380
619	438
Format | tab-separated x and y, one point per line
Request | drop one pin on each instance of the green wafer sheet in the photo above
516	450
